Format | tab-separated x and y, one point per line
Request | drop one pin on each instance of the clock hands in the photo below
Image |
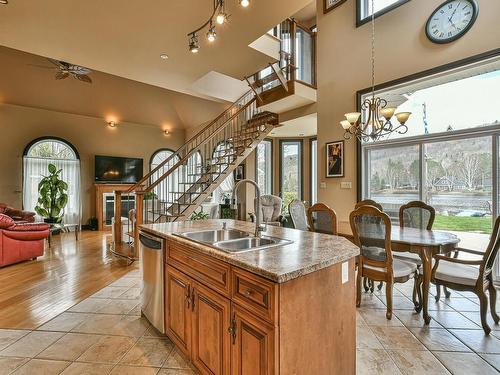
451	17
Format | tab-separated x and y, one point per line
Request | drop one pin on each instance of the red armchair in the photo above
18	216
20	241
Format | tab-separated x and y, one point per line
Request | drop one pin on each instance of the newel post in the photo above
117	238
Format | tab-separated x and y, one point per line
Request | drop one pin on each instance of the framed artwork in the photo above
239	173
335	159
328	5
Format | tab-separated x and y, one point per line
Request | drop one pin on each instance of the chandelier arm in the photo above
217	5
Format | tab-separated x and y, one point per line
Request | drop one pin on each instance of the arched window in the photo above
225	189
37	156
165	191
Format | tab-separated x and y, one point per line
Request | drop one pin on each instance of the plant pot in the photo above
51	220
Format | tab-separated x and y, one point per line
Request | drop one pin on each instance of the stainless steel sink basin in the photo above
233	240
212	236
250	243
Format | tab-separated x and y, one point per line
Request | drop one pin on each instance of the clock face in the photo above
451	20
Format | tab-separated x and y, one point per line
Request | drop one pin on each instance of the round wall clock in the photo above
451	20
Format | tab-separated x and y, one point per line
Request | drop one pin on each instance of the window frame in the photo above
300	142
48	139
360	4
156	153
311	162
271	143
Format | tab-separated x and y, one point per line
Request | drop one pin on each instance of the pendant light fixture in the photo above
378	122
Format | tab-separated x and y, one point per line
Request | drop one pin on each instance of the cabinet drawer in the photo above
206	270
255	293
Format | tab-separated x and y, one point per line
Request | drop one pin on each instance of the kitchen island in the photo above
287	309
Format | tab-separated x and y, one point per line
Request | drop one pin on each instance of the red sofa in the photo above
18	216
21	241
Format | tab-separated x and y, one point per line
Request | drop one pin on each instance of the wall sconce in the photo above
166	132
4	2
112	124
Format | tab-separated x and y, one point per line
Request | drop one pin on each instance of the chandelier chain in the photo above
373	48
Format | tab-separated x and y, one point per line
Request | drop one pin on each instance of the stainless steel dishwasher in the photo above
152	294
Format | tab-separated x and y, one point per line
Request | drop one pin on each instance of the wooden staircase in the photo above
176	187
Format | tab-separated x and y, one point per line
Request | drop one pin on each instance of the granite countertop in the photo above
308	253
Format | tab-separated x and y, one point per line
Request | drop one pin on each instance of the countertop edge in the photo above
225	257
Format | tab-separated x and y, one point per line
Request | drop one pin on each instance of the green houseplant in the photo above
52	196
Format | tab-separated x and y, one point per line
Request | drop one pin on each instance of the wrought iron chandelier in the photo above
378	122
218	16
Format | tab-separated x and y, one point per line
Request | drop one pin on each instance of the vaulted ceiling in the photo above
126	38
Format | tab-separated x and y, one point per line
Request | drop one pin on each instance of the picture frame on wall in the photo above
335	159
329	5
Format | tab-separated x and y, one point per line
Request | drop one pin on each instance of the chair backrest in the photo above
372	230
298	214
322	219
417	214
491	251
270	206
368	202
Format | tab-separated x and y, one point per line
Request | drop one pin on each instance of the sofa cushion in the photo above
6	221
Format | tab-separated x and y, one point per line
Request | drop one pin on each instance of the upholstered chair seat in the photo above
457	273
400	268
270	207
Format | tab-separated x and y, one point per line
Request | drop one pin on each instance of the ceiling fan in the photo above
65	70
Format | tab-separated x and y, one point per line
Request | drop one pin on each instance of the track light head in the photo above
211	34
194	45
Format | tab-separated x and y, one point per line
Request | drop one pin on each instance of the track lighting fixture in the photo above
219	16
244	3
194	45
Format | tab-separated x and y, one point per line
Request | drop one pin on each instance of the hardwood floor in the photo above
32	293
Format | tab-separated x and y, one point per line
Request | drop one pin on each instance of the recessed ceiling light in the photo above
164	56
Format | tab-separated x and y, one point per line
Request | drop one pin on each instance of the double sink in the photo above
233	240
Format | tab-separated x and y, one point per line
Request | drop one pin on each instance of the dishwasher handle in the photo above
151	242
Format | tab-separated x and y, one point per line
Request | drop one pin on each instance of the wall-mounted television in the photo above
111	169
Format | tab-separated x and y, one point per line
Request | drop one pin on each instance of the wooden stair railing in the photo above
176	187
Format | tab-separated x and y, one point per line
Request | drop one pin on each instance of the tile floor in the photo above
105	334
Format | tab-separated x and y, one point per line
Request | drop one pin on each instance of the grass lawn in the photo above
463	224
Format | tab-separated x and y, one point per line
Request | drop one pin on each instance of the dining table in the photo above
425	243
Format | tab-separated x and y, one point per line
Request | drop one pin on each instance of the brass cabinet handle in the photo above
232	330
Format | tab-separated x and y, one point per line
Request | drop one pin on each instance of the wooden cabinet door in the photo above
253	344
211	316
178	308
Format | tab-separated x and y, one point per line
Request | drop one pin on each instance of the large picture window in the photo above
449	156
365	10
290	170
263	165
37	157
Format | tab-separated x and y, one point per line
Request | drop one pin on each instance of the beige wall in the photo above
20	125
401	49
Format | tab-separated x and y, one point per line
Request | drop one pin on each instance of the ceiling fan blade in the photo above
61	75
83	78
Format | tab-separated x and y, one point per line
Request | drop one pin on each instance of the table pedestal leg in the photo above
427	269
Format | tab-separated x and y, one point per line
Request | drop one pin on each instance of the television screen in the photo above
117	170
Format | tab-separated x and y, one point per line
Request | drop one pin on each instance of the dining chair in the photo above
322	219
270	207
369	285
298	215
368	202
418	215
474	276
370	236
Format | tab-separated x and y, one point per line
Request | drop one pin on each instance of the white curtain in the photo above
226	186
34	170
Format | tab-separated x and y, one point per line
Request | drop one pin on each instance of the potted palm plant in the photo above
53	196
